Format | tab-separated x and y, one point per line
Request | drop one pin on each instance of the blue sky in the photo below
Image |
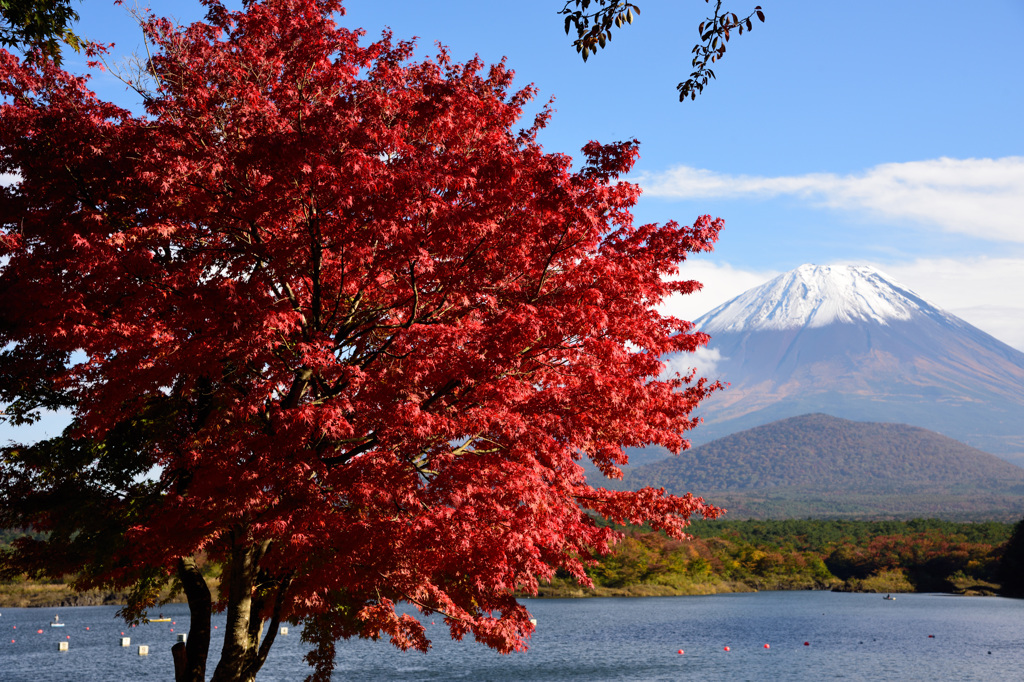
886	133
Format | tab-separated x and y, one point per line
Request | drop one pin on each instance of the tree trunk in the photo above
190	658
238	658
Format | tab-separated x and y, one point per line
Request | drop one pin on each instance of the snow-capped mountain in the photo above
815	296
851	342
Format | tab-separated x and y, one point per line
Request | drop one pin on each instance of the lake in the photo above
849	636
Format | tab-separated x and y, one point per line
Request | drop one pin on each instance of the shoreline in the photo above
49	596
30	595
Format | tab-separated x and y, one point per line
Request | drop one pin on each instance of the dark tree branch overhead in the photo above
38	25
42	24
594	31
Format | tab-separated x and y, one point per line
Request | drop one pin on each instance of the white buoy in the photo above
126	641
143	650
62	646
182	636
284	631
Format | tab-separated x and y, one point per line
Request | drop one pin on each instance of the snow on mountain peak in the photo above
815	296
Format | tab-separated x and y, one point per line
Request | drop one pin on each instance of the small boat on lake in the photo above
889	597
159	620
56	622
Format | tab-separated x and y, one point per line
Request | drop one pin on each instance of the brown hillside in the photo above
818	465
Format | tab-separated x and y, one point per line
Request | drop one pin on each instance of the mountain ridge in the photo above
824	465
881	353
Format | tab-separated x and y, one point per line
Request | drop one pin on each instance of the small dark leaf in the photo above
760	15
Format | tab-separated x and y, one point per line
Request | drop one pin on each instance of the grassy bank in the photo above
27	594
22	594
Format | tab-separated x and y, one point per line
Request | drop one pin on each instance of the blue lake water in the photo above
850	636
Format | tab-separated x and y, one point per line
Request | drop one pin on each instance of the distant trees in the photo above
924	555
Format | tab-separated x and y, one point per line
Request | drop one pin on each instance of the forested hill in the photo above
835	461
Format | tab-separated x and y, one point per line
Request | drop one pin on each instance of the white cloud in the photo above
722	282
705	360
979	197
986	292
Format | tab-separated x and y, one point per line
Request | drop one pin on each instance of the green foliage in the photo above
822	536
38	24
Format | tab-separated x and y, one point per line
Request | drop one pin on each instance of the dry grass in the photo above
27	594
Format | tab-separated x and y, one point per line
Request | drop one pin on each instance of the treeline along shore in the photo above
923	555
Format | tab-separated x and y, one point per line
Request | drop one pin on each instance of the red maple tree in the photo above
323	318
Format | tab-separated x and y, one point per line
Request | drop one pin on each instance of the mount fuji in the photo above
851	342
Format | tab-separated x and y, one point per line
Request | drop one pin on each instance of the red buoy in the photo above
767	647
39	631
680	651
807	643
725	648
